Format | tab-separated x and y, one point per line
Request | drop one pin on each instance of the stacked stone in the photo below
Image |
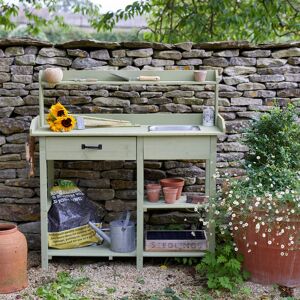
252	79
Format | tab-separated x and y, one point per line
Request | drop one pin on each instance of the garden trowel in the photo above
141	78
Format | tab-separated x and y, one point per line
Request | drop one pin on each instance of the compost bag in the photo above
68	217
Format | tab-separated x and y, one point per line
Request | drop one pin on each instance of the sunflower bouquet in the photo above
59	119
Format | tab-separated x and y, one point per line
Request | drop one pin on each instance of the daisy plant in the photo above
59	119
267	198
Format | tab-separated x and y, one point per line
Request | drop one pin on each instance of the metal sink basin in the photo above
173	128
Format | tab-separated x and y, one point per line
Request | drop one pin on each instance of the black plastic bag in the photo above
68	217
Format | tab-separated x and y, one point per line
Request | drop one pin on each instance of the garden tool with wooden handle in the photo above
140	78
90	121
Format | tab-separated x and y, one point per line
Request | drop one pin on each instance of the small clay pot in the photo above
200	75
53	75
173	182
153	192
170	194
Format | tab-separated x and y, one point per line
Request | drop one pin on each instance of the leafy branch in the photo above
173	21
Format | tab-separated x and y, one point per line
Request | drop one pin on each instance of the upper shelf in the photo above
174	82
120	77
169	77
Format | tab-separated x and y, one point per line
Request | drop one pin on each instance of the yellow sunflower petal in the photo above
66	123
58	110
54	127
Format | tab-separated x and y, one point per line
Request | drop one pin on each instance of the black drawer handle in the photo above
84	146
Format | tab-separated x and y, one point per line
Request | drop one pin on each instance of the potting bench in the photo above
127	143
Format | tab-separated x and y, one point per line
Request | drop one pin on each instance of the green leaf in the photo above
233	265
225	283
221	259
140	280
169	291
111	290
63	287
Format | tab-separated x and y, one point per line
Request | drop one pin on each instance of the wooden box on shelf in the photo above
175	240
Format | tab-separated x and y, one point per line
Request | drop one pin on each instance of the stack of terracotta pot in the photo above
172	189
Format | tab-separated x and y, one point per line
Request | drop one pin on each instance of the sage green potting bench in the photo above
127	143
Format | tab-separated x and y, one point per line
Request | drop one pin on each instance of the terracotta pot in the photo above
53	75
170	194
153	192
173	182
268	263
13	259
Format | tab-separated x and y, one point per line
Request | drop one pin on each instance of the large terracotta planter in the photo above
13	259
271	263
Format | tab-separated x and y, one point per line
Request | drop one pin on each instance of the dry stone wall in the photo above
253	78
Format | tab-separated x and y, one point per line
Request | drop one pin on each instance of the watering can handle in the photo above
126	220
100	233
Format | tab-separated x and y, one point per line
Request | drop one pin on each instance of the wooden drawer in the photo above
177	148
85	148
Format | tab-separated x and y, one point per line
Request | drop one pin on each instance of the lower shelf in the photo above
104	251
90	251
173	254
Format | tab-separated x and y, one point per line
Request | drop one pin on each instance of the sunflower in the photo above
50	118
57	110
65	123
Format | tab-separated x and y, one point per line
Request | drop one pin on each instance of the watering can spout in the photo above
100	233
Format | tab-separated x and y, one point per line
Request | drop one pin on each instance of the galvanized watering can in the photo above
122	234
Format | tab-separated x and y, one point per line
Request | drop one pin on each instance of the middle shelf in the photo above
161	204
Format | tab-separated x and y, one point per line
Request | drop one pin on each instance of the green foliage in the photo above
267	199
117	36
109	19
22	31
273	161
36	24
140	280
277	134
56	34
111	290
189	261
64	287
223	268
174	21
